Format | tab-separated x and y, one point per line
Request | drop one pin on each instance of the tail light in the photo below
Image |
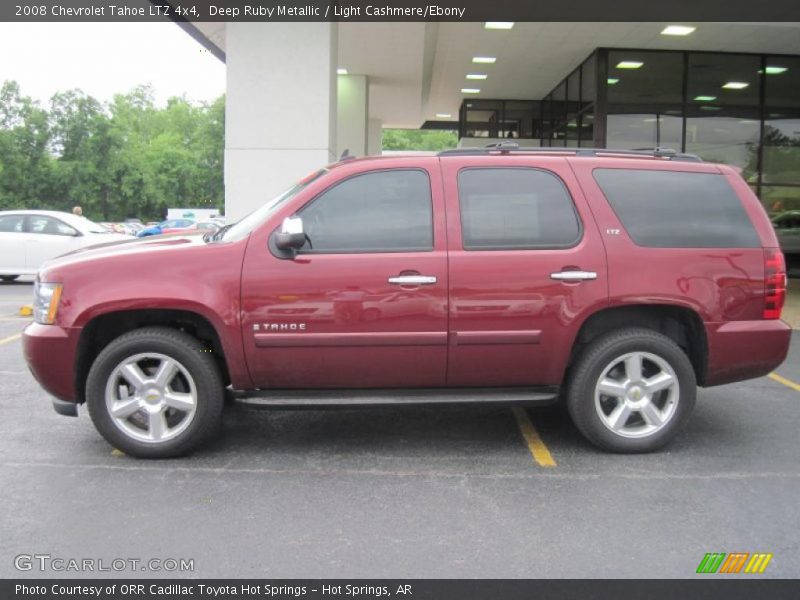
774	283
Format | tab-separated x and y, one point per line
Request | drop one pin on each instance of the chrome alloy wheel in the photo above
636	394
151	397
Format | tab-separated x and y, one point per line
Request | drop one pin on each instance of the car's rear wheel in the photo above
631	391
9	277
155	393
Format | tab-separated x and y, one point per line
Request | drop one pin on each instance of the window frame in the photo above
565	246
321	194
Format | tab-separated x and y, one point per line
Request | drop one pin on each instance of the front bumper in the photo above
50	352
739	350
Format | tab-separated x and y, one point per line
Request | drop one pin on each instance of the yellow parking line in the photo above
537	447
787	382
10	338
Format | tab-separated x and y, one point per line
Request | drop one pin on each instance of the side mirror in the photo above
291	236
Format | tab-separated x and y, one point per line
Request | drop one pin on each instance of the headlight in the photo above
46	297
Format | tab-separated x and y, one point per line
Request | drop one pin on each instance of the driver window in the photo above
49	226
380	211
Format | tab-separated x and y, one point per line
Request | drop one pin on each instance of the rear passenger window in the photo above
515	208
381	211
673	209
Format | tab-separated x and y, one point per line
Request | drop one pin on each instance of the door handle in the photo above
413	280
574	275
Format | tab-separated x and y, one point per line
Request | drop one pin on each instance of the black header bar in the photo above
671	11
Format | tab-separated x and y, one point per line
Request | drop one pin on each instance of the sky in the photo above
104	59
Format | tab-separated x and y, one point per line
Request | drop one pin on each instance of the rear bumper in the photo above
739	350
50	353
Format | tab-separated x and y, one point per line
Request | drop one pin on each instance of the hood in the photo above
129	246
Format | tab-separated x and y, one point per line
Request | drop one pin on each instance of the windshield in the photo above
242	228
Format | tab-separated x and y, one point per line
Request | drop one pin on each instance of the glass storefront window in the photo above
732	140
723	80
778	198
558	115
520	119
572	130
483	118
643	131
645	100
657	80
587	129
723	119
782	121
588	78
737	109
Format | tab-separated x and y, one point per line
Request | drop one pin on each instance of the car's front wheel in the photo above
8	278
155	393
631	390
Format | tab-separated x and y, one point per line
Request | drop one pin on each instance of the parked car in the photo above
787	226
124	228
168	226
617	281
208	226
30	237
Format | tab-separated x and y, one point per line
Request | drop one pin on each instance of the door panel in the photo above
330	317
12	244
511	322
47	238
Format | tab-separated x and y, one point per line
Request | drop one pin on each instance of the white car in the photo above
30	237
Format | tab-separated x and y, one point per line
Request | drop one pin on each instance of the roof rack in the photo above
514	147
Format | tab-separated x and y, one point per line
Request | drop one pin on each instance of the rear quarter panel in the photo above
719	284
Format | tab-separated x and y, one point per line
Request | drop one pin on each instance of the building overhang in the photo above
417	70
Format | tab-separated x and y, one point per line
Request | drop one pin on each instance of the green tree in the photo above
82	147
419	139
125	158
25	161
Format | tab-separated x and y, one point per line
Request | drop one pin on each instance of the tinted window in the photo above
515	209
11	223
49	226
383	211
670	209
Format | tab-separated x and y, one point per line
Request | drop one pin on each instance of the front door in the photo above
364	303
48	237
526	268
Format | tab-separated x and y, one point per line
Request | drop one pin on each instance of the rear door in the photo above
526	267
364	303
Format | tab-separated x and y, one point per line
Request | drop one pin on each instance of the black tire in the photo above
184	349
588	368
9	278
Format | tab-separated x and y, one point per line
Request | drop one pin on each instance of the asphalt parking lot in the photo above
414	492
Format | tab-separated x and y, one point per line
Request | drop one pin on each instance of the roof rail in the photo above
514	147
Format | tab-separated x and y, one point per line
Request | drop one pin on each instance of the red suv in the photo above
615	280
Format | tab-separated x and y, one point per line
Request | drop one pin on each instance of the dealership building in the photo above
299	94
